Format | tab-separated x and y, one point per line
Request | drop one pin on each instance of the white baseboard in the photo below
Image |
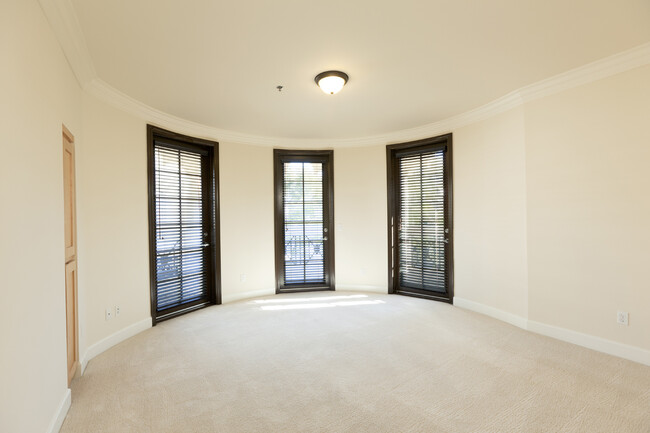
359	288
610	347
61	412
504	316
227	298
599	344
112	340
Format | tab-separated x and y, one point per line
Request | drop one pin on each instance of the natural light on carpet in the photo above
313	299
320	305
315	302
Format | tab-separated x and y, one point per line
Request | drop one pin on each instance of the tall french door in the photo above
183	223
420	218
304	220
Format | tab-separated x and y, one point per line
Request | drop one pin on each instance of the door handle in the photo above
205	245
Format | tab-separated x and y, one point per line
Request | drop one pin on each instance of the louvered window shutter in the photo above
421	224
304	261
179	199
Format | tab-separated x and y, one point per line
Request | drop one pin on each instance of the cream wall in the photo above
551	214
246	212
360	212
112	221
39	93
588	162
490	258
246	208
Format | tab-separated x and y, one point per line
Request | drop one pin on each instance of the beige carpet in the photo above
352	362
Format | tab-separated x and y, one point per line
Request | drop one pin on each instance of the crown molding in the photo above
106	93
594	71
64	22
591	72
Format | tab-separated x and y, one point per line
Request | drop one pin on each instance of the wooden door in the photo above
70	224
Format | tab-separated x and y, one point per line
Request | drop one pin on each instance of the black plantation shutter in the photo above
421	225
179	200
304	261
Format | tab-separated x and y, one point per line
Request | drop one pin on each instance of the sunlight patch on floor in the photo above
319	305
313	299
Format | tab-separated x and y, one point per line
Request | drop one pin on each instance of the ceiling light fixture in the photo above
331	82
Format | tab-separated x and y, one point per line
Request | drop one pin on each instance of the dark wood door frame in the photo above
441	142
211	207
327	157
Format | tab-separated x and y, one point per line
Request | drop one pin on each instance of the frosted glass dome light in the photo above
331	82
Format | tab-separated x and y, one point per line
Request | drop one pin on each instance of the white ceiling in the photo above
410	62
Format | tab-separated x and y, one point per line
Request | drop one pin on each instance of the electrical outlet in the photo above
117	310
623	318
242	278
109	314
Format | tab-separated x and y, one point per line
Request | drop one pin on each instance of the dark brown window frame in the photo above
442	141
214	292
280	156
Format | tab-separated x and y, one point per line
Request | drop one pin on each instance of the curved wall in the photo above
532	225
39	93
587	159
112	211
491	266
